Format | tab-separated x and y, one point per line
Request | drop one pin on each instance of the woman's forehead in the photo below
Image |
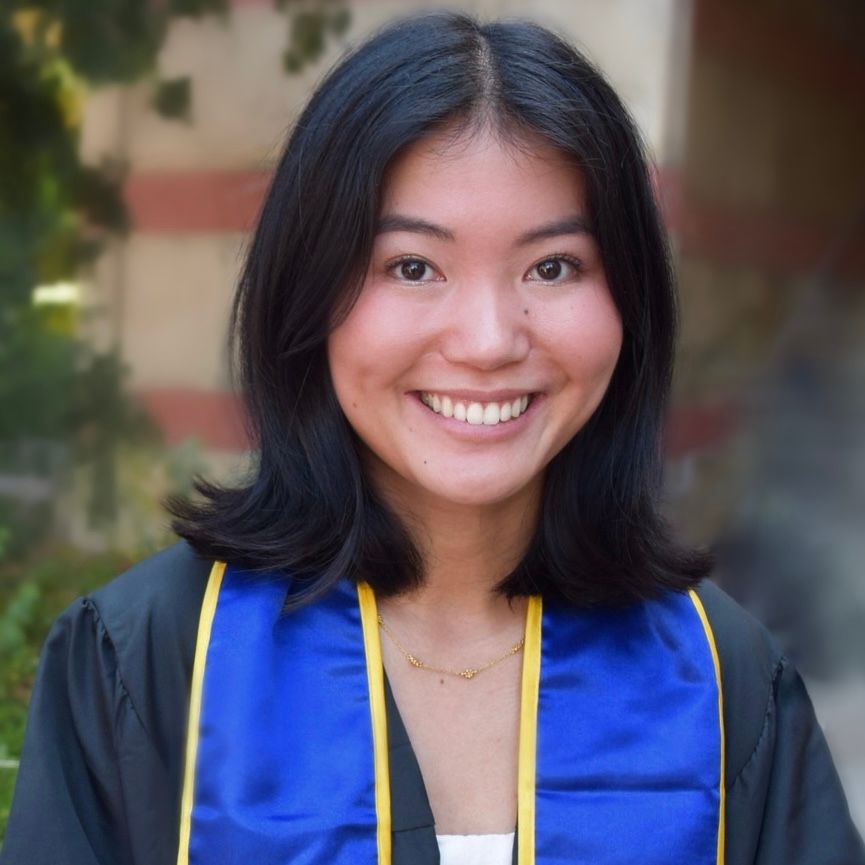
480	174
460	140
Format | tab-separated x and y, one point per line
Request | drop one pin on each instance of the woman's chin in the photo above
456	483
477	492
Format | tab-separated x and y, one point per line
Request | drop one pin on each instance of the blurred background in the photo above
137	138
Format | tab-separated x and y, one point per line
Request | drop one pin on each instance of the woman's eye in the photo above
412	270
556	268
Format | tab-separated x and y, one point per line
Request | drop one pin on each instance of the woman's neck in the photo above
467	551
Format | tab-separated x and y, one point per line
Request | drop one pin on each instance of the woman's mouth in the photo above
476	413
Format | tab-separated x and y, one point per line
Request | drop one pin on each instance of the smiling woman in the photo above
443	621
495	335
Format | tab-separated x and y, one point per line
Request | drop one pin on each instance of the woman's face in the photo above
484	335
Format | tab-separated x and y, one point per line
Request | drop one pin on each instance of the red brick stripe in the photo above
215	418
195	202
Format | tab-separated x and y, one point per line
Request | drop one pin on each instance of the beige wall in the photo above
243	101
177	294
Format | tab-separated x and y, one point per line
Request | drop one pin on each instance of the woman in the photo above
443	621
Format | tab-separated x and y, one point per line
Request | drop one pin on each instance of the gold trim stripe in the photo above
710	638
527	754
205	623
375	682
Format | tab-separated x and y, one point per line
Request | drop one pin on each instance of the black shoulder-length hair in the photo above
308	507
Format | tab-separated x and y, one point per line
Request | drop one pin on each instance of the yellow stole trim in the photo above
527	752
205	622
710	638
375	682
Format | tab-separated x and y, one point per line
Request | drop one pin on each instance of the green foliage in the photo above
7	782
31	112
18	661
172	98
109	40
197	8
18	615
42	188
103	419
62	393
95	195
38	363
48	197
25	526
309	32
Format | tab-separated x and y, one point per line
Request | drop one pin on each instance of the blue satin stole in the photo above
621	734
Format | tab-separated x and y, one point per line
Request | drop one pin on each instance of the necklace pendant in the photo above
468	673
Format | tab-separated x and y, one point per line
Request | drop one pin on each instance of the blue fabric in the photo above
629	752
285	760
629	748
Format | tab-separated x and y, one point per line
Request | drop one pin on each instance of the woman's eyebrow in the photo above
575	224
397	222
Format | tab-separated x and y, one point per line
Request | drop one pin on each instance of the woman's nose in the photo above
487	327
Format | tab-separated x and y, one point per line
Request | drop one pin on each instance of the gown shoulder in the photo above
784	801
151	613
100	771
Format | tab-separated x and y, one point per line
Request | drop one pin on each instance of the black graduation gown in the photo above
100	776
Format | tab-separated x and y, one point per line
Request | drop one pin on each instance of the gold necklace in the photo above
467	673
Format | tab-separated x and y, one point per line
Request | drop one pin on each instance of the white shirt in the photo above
476	849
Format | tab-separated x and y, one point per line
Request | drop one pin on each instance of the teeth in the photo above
475	413
491	414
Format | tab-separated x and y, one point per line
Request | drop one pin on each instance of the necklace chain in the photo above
467	673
